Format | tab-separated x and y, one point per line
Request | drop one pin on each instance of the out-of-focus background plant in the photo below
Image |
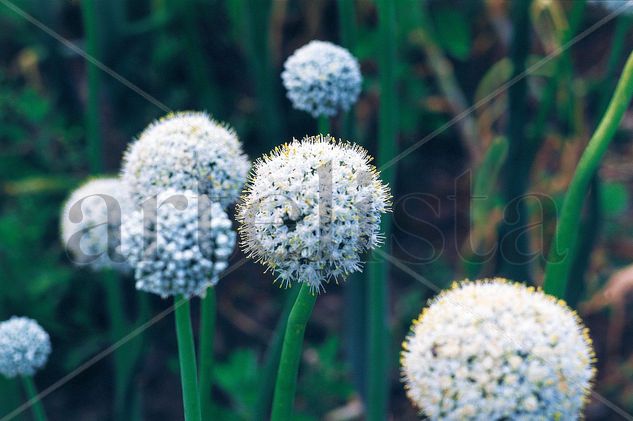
489	135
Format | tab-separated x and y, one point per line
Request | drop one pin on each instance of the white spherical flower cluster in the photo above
24	347
322	79
186	151
311	209
626	6
180	246
491	350
91	223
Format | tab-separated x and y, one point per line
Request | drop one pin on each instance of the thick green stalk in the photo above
378	334
271	361
564	243
200	70
93	134
355	291
623	25
485	183
323	123
187	357
513	243
286	383
256	17
205	354
118	329
591	225
31	391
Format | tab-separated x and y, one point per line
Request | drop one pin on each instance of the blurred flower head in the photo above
311	209
24	347
186	151
322	79
179	244
91	223
497	350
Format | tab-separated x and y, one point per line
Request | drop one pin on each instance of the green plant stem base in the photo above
205	355
564	244
286	383
36	403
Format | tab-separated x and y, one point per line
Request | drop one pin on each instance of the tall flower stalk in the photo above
311	209
31	392
205	354
178	249
355	294
512	262
286	383
90	228
564	243
205	165
187	358
322	79
378	334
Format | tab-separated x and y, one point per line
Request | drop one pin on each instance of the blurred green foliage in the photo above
225	57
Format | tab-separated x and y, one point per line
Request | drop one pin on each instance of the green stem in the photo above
205	357
324	125
563	245
624	23
118	329
89	13
378	334
514	242
286	383
187	356
271	361
199	68
256	17
31	391
589	234
354	293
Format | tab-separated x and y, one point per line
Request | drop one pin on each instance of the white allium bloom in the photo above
615	5
91	223
24	347
492	350
186	151
180	246
311	209
322	79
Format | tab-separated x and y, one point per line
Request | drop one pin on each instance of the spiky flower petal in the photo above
186	151
179	245
24	347
91	223
322	79
311	209
492	350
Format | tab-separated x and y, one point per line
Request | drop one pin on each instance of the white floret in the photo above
505	349
24	347
186	151
322	79
311	209
91	223
181	246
